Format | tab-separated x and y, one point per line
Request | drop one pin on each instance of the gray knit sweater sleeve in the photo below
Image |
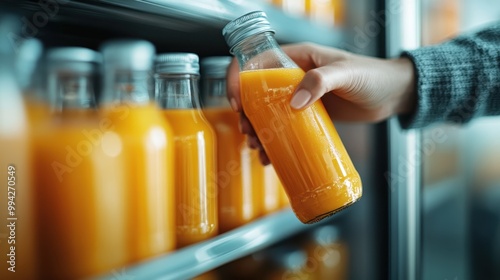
457	80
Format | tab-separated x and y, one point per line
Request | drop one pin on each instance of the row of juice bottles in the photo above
101	185
320	253
324	12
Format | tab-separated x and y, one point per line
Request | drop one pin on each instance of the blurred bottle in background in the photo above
327	254
271	187
295	8
177	92
285	262
441	20
328	13
30	72
320	11
147	144
246	189
16	194
80	195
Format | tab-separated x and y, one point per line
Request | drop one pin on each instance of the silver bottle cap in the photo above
177	63
76	54
73	59
245	26
129	54
215	66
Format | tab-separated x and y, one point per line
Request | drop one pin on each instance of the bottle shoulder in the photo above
187	121
134	120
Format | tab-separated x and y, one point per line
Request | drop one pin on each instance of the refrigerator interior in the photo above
195	26
460	168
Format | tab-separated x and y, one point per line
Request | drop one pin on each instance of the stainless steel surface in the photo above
177	63
204	256
405	156
195	26
166	20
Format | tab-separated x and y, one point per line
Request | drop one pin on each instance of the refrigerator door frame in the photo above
404	175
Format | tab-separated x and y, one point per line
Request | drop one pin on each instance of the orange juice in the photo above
37	113
17	235
239	172
148	150
195	169
17	231
271	189
303	145
284	202
80	199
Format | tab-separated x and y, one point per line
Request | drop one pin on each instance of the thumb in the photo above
316	83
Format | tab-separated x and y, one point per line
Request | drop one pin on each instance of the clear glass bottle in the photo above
177	92
128	109
31	73
303	145
80	198
16	193
71	77
240	176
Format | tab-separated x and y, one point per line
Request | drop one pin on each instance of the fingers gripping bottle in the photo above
303	145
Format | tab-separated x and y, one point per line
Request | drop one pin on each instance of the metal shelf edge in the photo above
196	259
216	13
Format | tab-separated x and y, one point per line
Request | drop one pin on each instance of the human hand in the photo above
352	87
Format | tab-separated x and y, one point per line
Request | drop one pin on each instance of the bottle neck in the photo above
12	118
125	86
72	90
261	51
214	93
177	91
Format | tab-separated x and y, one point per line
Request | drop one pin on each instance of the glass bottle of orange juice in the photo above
176	90
240	175
128	109
303	145
17	250
30	68
79	195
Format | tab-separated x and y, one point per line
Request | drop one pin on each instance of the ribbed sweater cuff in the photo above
456	81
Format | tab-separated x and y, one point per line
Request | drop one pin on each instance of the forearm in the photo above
456	81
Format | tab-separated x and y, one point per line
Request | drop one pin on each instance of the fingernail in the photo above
234	105
300	99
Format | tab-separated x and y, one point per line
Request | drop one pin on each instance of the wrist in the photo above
406	95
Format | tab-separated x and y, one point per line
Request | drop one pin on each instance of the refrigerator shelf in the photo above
216	13
170	24
175	25
196	259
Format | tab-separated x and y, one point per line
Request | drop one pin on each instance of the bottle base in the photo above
331	213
